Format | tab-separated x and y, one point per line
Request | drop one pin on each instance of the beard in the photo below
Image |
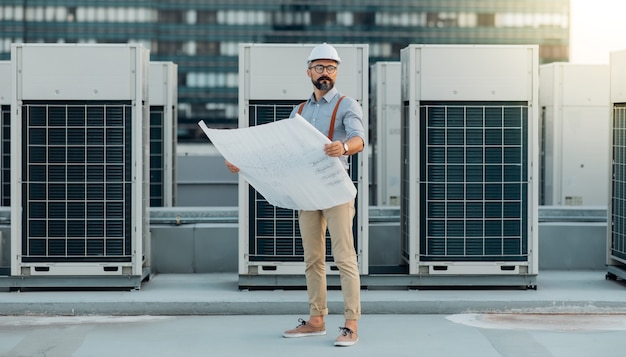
323	83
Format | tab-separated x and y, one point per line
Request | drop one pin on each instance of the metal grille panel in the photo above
405	153
274	231
618	184
474	181
5	155
77	177
157	156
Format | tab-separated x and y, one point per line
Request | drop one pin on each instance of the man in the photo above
347	138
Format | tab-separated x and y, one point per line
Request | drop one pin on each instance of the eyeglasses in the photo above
320	68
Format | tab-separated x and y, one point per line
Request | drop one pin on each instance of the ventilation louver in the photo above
274	231
157	156
163	124
617	243
77	182
5	155
474	159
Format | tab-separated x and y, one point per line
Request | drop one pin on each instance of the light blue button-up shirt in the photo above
348	122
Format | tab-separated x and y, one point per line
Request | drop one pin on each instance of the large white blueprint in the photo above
285	162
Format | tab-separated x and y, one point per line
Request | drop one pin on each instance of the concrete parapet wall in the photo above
206	248
205	240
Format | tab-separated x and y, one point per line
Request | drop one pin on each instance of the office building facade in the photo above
202	36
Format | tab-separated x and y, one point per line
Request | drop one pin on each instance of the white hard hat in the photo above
324	51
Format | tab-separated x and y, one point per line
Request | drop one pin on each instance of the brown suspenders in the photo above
332	119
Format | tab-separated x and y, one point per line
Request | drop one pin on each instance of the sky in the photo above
597	27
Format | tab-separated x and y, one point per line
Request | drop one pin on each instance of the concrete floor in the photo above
218	294
572	313
260	335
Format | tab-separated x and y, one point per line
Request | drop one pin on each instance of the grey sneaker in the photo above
305	329
347	337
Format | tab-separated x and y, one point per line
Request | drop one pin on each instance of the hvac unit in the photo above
385	126
5	133
270	246
79	164
163	80
574	122
616	213
469	154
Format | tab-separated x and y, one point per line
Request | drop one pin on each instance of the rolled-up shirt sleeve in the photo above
353	119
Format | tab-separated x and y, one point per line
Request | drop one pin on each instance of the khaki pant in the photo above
313	229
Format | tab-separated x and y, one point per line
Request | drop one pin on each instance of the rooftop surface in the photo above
572	313
211	294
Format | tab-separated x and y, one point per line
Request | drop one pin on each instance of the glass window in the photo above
111	15
282	19
61	13
35	13
238	17
380	50
70	15
207	48
262	18
531	20
431	19
383	19
207	17
216	80
18	13
486	20
5	45
229	48
190	48
40	13
232	17
401	19
191	17
441	19
364	18
232	110
98	14
345	18
212	80
146	15
170	47
232	80
221	17
192	79
553	52
131	14
123	15
82	14
323	18
467	20
50	14
170	16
